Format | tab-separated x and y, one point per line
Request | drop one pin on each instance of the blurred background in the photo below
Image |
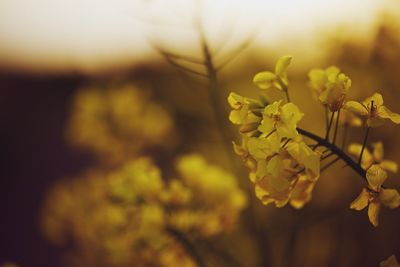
89	86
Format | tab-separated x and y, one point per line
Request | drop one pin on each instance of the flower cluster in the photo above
117	122
282	166
130	216
329	86
374	194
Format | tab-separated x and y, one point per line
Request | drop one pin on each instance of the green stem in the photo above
364	144
336	127
188	246
329	127
287	95
345	136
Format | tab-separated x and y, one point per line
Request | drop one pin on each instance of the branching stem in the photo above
337	151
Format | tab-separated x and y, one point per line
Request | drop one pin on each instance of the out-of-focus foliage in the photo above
130	216
390	262
9	264
118	122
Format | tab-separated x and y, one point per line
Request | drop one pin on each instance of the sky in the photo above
91	35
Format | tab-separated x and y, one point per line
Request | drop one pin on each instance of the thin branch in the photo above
336	127
329	164
346	128
337	151
187	245
364	144
236	52
182	57
183	68
329	127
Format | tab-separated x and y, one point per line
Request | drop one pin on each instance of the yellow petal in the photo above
239	116
376	176
302	192
390	198
235	100
282	64
373	212
361	201
376	98
355	149
377	151
261	148
264	80
273	189
385	113
356	107
389	165
305	156
375	121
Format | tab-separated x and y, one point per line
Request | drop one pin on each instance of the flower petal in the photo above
373	212
377	151
376	98
361	201
390	198
301	193
385	113
356	107
355	149
264	79
389	165
376	176
282	64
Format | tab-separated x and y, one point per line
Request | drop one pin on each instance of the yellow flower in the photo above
282	118
276	181
302	191
305	157
104	121
376	157
263	147
374	195
242	110
390	262
330	86
277	79
373	108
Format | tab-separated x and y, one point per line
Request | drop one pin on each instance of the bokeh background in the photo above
65	64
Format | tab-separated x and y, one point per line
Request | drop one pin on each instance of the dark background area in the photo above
33	153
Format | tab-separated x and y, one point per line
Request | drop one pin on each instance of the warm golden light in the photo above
92	34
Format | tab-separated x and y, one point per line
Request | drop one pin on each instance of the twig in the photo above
337	151
364	144
188	246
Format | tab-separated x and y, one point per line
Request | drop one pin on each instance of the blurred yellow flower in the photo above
349	119
390	262
374	195
126	215
376	157
373	108
117	122
329	86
